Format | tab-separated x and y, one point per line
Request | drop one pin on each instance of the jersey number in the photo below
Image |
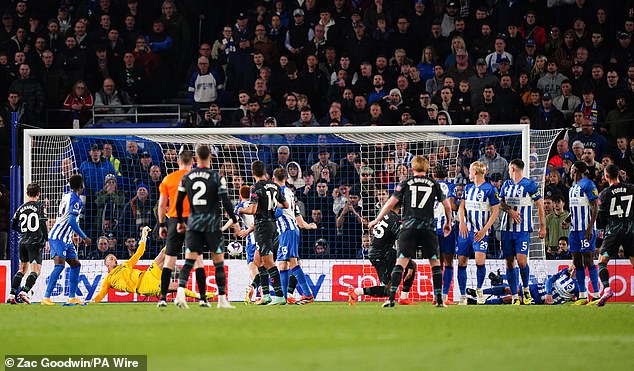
617	210
379	229
272	195
200	187
426	192
29	223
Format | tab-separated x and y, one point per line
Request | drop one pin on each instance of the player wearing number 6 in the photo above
417	195
582	237
478	210
616	216
517	196
30	221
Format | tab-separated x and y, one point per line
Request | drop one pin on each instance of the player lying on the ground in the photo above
557	289
126	278
382	255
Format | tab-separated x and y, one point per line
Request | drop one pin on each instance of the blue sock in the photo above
481	272
510	278
74	280
494	301
284	280
52	279
303	288
462	280
447	277
593	272
580	273
495	290
526	275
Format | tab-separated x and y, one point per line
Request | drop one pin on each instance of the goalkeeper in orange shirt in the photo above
126	278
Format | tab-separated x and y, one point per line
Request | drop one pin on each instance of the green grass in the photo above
331	336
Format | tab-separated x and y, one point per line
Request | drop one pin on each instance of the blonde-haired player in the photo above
479	208
126	278
417	195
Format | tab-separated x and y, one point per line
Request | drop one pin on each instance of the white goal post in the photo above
50	154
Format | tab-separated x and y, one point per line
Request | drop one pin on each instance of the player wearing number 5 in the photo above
582	237
30	221
478	210
616	216
418	232
517	196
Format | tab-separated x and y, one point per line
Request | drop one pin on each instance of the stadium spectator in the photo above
547	117
80	102
211	117
494	162
204	85
618	122
29	89
562	147
108	102
566	102
591	139
531	30
137	213
109	203
72	59
306	118
350	226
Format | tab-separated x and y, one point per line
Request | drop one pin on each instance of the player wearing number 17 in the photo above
582	237
205	188
517	196
418	231
616	216
478	210
30	221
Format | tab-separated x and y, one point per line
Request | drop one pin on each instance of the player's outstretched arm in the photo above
228	205
389	205
304	224
541	213
105	286
162	208
248	210
72	221
140	250
448	217
464	231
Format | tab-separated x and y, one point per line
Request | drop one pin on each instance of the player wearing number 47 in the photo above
30	221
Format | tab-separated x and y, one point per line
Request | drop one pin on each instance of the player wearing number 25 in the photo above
30	221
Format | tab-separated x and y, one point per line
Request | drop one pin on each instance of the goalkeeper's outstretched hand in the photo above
144	233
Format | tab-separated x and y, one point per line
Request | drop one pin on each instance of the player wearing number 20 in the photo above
517	196
478	210
417	195
30	221
582	237
616	216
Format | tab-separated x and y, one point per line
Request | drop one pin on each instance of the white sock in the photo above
404	295
583	295
222	299
358	291
445	297
516	297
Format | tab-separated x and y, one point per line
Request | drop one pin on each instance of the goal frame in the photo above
29	133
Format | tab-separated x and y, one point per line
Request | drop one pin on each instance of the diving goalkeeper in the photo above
126	278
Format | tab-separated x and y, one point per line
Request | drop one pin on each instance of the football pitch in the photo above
331	336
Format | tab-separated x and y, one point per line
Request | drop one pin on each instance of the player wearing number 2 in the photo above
30	221
478	210
517	196
582	237
417	195
616	216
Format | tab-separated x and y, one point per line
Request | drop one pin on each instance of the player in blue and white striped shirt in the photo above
447	244
61	241
247	232
289	221
478	211
558	289
517	196
582	237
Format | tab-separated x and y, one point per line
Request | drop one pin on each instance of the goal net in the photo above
341	177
